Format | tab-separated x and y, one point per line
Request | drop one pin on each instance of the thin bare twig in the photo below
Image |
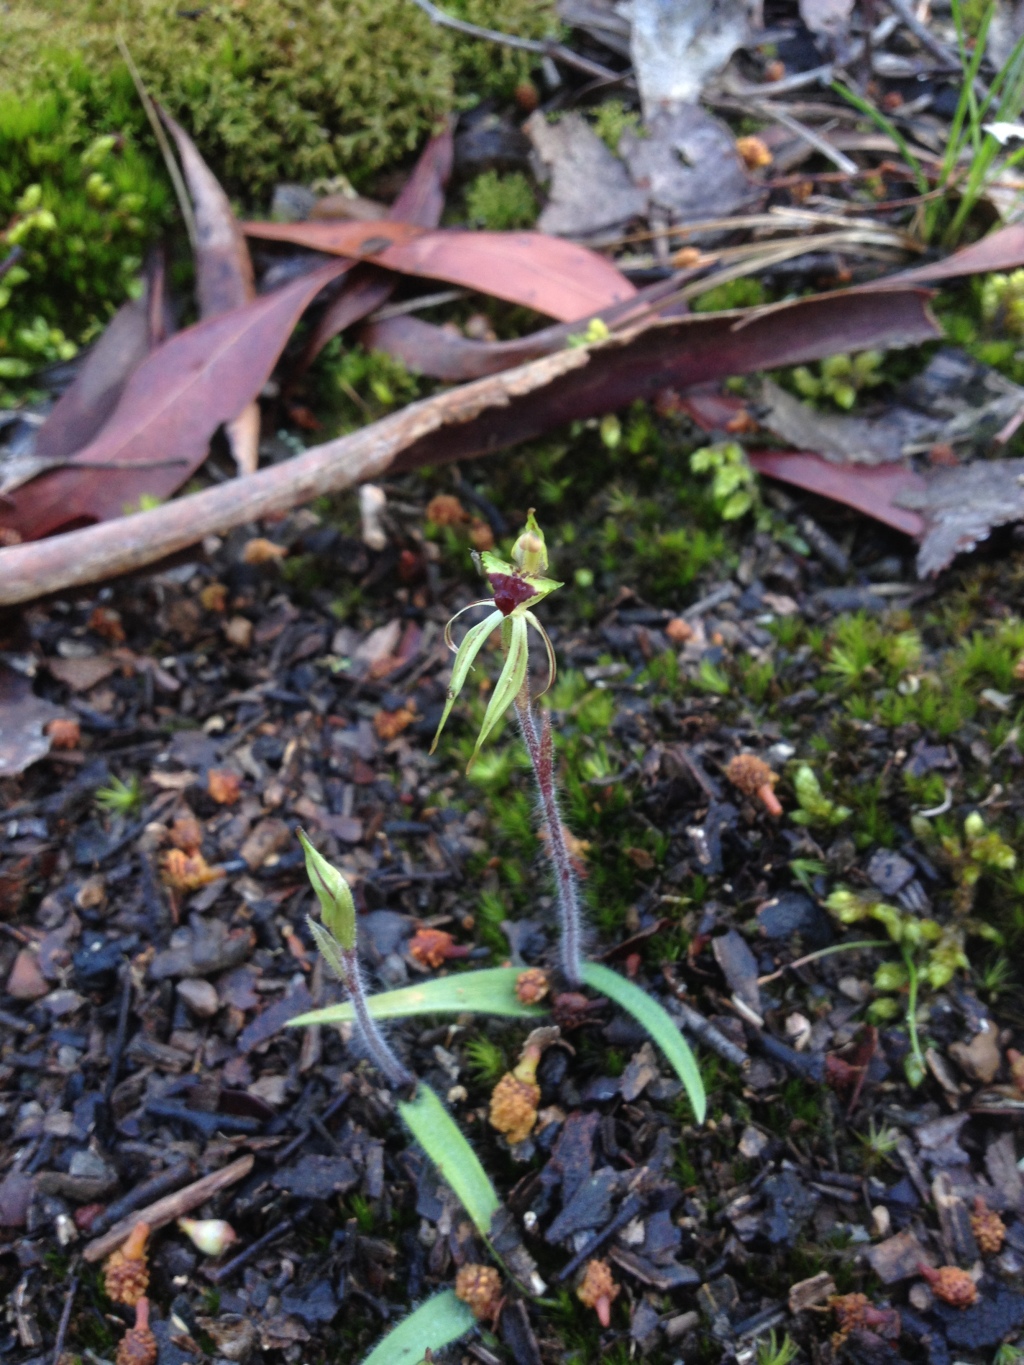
65	1318
542	47
812	138
174	1206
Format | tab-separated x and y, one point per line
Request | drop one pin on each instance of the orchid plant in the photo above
517	585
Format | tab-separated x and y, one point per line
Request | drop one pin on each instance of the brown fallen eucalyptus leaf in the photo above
483	417
224	274
873	490
546	274
79	414
441	354
171	406
366	288
24	718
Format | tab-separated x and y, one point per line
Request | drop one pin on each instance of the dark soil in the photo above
142	1024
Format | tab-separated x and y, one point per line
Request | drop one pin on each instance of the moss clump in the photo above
79	213
501	202
612	119
272	90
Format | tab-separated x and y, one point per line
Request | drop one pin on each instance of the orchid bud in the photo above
337	908
530	553
211	1236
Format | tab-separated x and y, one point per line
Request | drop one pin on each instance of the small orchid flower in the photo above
517	588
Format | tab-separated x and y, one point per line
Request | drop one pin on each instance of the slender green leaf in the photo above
434	1325
442	1140
658	1023
490	991
887	126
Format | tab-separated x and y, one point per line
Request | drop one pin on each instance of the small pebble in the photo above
881	1222
200	997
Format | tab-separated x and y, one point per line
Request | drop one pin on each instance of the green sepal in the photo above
432	1326
511	679
658	1023
471	646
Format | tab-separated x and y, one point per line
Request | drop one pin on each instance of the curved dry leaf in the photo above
872	490
23	721
547	274
170	408
962	506
224	274
421	202
81	411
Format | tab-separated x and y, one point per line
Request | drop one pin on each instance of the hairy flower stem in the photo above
377	1046
541	750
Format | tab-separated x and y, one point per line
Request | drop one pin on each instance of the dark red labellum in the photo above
510	591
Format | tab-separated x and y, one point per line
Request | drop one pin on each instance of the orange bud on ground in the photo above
390	724
988	1228
224	786
679	631
753	153
753	777
138	1345
951	1284
445	510
188	871
480	1287
187	833
432	947
107	623
598	1290
513	1109
259	550
532	986
214	597
64	733
125	1272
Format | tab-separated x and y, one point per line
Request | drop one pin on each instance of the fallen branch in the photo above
171	1207
482	418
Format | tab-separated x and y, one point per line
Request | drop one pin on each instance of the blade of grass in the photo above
490	991
442	1140
888	127
434	1325
658	1023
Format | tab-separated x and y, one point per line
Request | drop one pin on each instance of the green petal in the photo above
513	675
471	646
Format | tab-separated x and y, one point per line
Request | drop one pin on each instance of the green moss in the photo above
744	293
501	203
272	90
612	119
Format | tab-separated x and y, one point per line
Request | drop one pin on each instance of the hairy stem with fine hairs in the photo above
377	1046
541	750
